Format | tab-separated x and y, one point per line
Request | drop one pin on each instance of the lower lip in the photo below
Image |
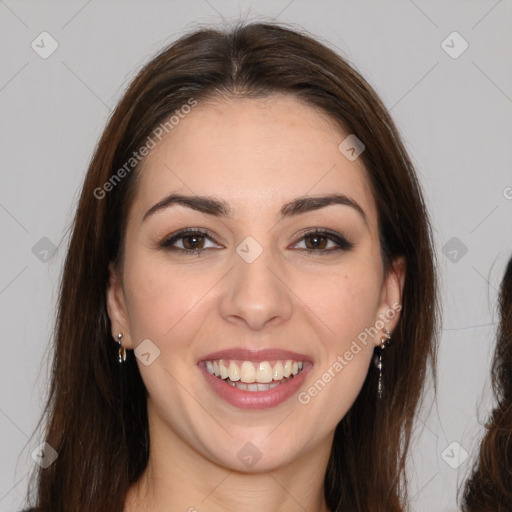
255	399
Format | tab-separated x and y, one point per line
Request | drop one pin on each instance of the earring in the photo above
121	354
383	343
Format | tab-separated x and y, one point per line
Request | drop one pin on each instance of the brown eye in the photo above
322	241
191	241
315	241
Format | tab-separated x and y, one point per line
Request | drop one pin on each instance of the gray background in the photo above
454	114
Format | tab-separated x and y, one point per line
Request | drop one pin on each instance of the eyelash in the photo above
342	243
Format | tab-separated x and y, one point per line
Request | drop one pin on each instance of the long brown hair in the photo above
490	486
97	424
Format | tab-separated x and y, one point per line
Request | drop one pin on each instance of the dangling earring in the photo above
121	354
383	343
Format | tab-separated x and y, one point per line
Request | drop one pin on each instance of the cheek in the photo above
347	303
162	304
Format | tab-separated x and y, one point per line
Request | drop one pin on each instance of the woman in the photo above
250	236
490	486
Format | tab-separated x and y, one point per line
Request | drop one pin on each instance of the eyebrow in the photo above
219	208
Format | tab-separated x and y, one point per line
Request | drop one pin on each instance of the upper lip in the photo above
268	354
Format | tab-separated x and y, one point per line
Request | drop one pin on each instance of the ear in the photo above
391	298
116	307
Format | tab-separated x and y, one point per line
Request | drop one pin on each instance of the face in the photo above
252	251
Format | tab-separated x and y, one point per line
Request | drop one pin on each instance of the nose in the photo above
255	294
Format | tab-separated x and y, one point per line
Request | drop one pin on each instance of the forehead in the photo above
254	153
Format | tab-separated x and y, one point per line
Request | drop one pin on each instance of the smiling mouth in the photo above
254	376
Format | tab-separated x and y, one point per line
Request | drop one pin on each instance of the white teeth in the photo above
224	372
277	373
247	372
234	372
257	376
264	373
253	387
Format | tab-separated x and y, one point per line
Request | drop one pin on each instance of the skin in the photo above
255	154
